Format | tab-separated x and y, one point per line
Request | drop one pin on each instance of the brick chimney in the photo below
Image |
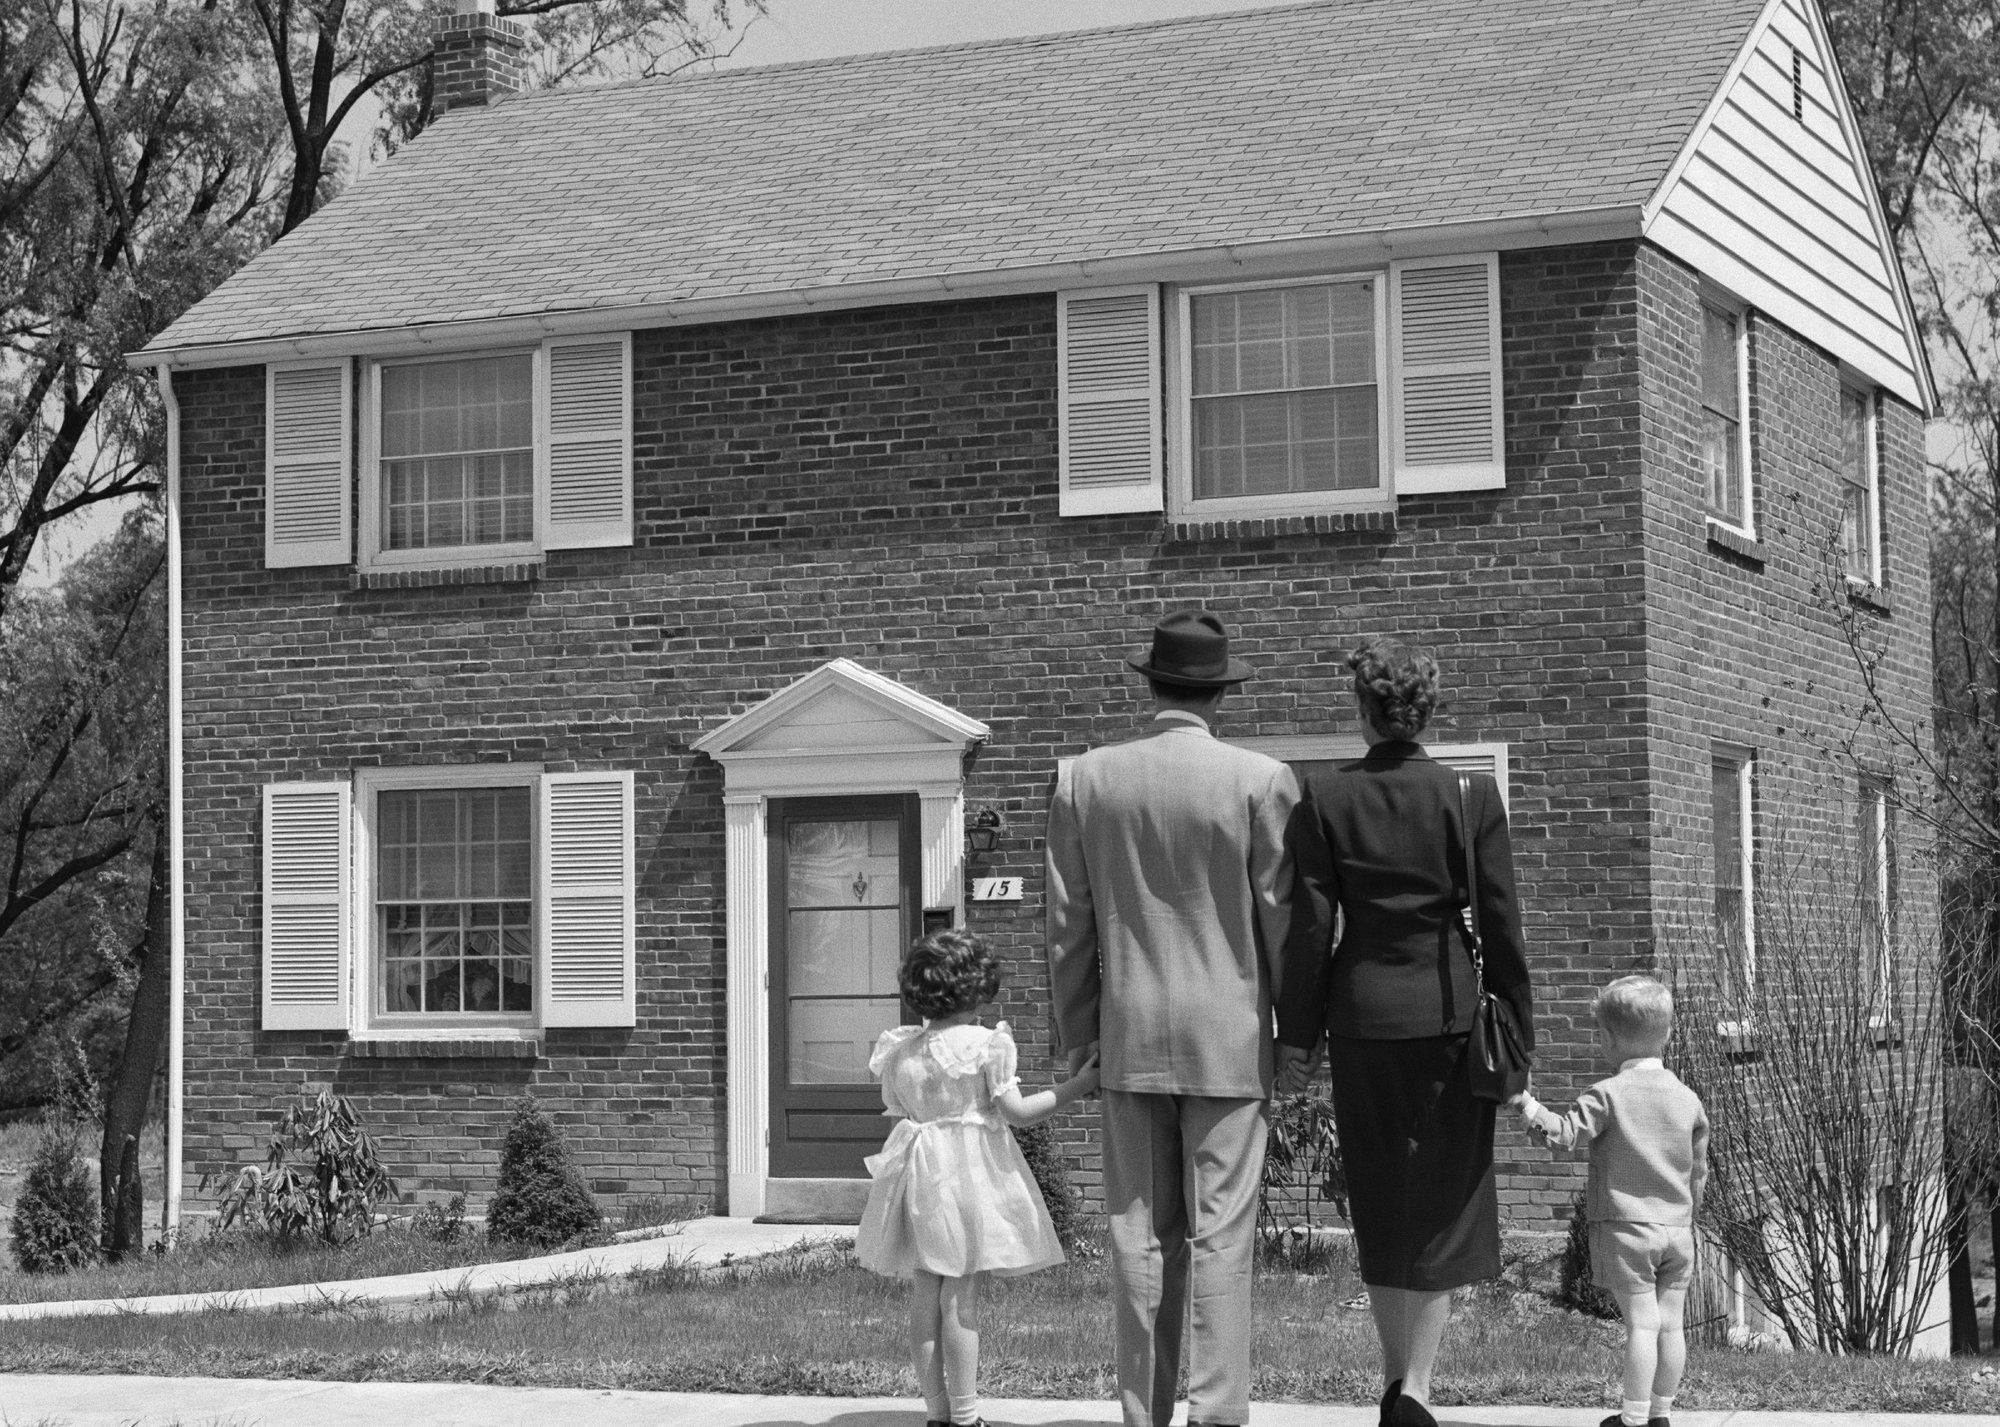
478	57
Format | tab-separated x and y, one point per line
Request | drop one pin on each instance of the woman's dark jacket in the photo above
1379	839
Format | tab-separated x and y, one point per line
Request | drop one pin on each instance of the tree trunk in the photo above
145	1040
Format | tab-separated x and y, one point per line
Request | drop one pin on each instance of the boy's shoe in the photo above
1659	1422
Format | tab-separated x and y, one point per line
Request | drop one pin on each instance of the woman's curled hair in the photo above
1397	683
948	972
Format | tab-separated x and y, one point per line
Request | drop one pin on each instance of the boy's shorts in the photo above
1630	1259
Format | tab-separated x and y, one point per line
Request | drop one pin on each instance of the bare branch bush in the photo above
1819	1053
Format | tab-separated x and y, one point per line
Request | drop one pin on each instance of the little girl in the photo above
952	1197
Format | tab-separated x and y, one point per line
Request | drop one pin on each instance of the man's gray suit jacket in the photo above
1168	898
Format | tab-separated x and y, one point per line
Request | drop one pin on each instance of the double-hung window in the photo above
1731	808
1860	488
483	899
457	463
1725	399
1876	856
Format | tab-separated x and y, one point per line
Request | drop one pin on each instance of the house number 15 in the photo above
996	889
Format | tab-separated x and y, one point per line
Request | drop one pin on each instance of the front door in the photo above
845	904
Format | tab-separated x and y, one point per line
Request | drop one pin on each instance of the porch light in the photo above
982	833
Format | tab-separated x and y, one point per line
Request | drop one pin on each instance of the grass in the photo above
814	1322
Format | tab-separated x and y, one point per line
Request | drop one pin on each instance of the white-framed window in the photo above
1725	411
1873	836
1306	751
449	900
1286	406
1732	822
447	904
1860	487
465	458
1279	396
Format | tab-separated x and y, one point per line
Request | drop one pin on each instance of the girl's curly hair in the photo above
1397	683
948	972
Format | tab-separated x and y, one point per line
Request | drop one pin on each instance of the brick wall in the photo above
882	485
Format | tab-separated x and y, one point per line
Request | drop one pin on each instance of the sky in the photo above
802	30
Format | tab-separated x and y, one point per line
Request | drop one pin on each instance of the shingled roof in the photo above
1326	119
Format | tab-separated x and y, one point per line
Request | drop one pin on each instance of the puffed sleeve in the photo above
1002	1062
886	1046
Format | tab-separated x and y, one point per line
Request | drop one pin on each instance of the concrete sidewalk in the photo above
700	1242
56	1401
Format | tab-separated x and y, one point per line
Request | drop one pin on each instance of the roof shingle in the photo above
1338	117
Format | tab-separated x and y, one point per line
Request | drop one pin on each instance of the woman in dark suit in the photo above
1379	844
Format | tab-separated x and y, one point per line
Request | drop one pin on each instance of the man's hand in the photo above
1296	1068
1081	1057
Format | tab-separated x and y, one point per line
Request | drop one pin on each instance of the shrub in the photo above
322	1176
1051	1171
440	1223
542	1199
55	1218
1577	1290
1301	1160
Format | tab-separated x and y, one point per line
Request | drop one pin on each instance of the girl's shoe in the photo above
1395	1391
1408	1412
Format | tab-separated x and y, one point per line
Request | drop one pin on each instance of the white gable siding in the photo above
1772	199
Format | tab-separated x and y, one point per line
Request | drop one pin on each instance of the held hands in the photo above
1296	1068
1087	1079
1538	1122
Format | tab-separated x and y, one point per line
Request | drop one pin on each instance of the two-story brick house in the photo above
623	542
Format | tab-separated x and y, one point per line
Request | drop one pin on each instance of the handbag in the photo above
1499	1052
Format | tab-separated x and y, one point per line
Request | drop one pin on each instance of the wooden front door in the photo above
845	905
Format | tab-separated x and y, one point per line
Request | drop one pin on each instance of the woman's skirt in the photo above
1418	1150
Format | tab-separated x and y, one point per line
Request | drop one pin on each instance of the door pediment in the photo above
842	726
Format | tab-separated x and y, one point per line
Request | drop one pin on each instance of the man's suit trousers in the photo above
1181	1177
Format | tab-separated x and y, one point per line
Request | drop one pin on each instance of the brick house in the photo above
623	542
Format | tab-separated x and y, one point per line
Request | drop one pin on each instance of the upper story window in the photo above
458	453
1284	390
1860	487
1725	399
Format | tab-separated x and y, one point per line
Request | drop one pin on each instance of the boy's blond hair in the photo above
1636	1010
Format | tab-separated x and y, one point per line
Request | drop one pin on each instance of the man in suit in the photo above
1168	886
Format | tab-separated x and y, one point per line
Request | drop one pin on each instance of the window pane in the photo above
454	884
1726	815
1722	461
458	452
1857	515
1718	362
1286	443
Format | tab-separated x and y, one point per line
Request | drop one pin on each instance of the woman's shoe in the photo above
1389	1400
1408	1412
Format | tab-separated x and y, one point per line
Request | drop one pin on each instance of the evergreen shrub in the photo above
1051	1171
1578	1290
542	1198
55	1218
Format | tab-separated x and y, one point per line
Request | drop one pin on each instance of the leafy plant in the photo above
441	1223
1045	1162
1301	1159
55	1219
542	1198
322	1178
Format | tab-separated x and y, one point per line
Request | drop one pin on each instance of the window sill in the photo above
1867	596
1739	1041
1884	1034
465	1047
1188	527
1728	539
507	572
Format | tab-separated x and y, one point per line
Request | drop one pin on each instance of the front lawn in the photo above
813	1322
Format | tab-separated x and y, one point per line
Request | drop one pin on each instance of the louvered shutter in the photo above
588	494
1108	399
308	417
1487	758
1445	353
586	892
306	932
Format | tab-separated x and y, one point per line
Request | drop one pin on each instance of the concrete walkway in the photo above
55	1401
700	1242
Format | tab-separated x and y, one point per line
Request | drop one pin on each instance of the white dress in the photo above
950	1192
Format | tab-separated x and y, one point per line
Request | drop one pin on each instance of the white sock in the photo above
965	1410
1635	1412
1661	1406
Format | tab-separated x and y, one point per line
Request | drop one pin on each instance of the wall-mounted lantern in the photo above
982	833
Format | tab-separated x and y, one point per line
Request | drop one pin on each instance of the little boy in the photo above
1648	1138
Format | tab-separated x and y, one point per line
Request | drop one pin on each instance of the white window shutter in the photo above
588	493
586	973
308	424
1487	758
1445	353
306	918
1108	400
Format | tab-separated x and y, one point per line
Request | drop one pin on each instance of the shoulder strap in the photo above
1465	832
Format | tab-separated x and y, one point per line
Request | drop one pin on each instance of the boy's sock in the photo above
965	1410
1635	1412
1659	1409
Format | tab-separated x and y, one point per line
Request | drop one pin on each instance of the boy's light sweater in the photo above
1648	1138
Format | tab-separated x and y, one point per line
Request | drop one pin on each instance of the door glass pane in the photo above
844	929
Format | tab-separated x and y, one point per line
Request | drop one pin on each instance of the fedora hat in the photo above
1191	650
